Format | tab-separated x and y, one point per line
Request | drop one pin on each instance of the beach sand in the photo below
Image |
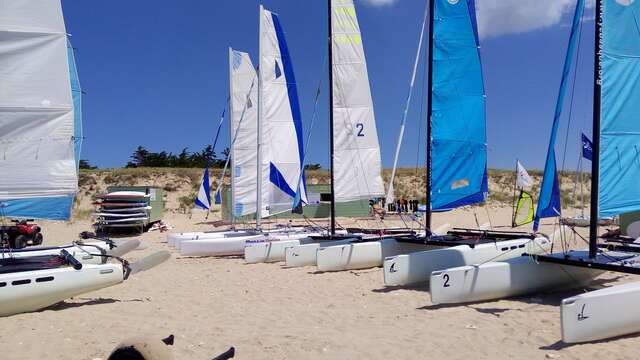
268	312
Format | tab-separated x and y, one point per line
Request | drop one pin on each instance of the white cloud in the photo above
380	2
498	17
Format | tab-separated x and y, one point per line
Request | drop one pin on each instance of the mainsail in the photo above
37	130
619	166
243	88
549	202
356	152
280	118
55	208
459	142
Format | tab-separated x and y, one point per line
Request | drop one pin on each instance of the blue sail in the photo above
549	203
619	191
58	208
459	141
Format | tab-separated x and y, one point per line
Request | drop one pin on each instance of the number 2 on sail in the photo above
360	127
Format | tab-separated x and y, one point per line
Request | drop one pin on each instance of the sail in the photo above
524	210
619	128
549	202
459	141
523	180
55	208
280	116
243	87
203	199
356	153
36	104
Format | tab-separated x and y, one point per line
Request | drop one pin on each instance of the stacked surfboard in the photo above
122	209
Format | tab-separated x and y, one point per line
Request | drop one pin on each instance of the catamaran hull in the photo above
601	314
174	239
497	280
34	290
413	268
219	247
305	254
274	251
352	256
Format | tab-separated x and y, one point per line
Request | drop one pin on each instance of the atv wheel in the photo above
20	242
37	239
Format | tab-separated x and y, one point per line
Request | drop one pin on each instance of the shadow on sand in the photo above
86	302
559	345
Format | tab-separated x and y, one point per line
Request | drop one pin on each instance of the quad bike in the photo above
21	234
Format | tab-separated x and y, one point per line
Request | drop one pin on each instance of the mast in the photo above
595	161
515	190
231	147
330	62
259	122
427	213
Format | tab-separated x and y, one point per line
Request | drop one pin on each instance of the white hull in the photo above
417	267
351	256
174	239
220	246
601	314
305	254
274	251
497	280
34	290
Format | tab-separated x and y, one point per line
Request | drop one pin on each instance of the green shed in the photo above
320	198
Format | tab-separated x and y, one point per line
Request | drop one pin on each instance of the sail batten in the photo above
458	143
356	152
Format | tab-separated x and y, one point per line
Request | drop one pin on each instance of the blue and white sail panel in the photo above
36	105
243	87
55	208
281	118
356	152
459	141
549	204
203	199
619	191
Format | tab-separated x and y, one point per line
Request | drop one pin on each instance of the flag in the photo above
523	181
587	147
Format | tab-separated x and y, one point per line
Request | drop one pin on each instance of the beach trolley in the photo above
128	207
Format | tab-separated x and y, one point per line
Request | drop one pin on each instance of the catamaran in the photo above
268	149
458	141
611	311
38	72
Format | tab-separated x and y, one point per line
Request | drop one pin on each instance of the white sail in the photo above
243	87
283	150
523	181
356	154
36	106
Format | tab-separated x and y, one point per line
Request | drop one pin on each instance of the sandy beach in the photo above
269	312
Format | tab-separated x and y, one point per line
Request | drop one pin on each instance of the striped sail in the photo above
356	153
36	105
243	87
619	190
55	208
283	150
459	142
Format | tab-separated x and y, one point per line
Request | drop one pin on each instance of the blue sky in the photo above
155	72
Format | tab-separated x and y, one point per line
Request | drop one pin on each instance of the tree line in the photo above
142	157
